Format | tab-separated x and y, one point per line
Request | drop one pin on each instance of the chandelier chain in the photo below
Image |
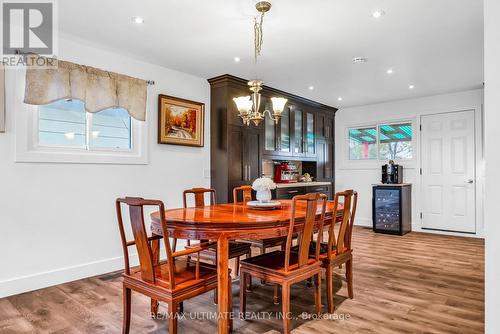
258	35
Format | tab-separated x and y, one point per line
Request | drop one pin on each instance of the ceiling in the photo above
435	45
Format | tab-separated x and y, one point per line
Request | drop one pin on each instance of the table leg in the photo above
223	284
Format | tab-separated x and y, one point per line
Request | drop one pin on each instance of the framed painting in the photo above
2	98
180	122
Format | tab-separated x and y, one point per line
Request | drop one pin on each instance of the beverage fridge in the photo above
391	208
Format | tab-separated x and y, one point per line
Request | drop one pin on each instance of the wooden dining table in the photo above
235	221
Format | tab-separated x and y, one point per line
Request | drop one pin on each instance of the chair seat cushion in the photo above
275	261
185	273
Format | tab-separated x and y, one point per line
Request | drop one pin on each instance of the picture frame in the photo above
180	121
2	98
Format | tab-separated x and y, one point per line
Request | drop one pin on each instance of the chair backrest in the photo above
246	193
141	240
342	242
311	201
199	196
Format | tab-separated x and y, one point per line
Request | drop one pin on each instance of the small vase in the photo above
264	196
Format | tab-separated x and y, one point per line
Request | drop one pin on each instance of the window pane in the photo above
363	144
62	123
395	141
111	129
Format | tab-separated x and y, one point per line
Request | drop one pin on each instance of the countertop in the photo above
302	184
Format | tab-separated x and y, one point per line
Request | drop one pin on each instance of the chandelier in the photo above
249	106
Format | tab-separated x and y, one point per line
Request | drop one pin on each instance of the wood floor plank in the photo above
419	284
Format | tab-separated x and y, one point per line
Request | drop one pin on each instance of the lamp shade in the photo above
278	104
244	104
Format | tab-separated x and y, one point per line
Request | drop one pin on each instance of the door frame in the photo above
478	177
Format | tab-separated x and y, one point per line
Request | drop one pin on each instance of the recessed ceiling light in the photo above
378	14
359	60
339	98
411	86
237	59
311	87
389	71
137	19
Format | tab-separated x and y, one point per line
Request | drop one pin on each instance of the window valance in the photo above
98	89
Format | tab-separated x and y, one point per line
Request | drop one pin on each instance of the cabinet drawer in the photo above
326	189
288	193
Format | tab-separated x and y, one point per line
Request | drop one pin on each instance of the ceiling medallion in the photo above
249	106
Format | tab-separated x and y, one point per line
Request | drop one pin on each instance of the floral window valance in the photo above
98	89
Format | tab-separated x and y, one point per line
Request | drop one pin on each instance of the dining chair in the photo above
338	251
236	249
263	244
284	267
172	280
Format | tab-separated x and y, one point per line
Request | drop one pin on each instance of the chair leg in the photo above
230	302
237	271
329	288
155	248
127	294
262	251
172	317
215	297
348	276
317	292
180	307
154	306
249	281
285	307
243	294
276	294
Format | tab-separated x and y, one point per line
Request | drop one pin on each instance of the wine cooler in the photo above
392	208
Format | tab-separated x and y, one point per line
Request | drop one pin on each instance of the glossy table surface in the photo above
224	222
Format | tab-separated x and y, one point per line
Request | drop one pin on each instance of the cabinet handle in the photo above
244	172
249	172
293	191
320	189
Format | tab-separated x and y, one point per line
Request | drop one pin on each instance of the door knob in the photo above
469	181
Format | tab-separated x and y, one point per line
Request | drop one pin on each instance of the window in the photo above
363	144
395	141
381	142
65	123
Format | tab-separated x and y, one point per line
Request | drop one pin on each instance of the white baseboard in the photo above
366	222
45	279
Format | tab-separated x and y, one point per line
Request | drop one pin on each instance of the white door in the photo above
448	172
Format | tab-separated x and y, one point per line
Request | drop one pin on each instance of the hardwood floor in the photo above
418	283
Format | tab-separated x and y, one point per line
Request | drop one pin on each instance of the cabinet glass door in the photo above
310	136
270	134
284	139
298	132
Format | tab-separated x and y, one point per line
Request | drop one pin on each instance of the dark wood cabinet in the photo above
304	132
325	161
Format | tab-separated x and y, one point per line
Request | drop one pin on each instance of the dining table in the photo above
234	221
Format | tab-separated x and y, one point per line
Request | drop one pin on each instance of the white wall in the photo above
361	178
57	221
492	151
